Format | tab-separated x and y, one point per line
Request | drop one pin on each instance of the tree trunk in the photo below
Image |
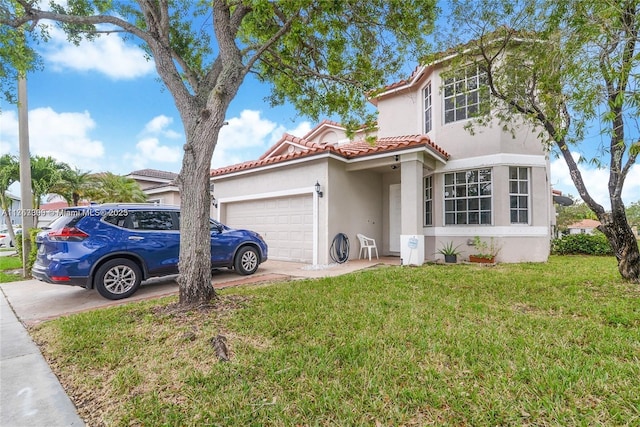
615	227
195	237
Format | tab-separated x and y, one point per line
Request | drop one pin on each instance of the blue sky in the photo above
101	107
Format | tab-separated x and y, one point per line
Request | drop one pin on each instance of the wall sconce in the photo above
318	189
396	158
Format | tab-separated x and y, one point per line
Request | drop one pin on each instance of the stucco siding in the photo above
354	205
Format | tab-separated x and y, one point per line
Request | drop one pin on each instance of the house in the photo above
157	185
416	182
585	226
14	210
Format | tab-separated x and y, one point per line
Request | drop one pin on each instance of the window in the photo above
467	197
152	220
465	94
427	108
116	219
519	195
428	200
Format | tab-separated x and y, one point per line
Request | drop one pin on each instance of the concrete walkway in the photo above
30	393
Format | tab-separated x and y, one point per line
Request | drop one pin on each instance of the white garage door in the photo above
286	224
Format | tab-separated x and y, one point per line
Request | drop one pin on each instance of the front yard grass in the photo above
8	266
526	344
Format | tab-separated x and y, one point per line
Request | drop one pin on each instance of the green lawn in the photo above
9	263
528	344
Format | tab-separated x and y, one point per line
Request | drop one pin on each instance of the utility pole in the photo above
26	197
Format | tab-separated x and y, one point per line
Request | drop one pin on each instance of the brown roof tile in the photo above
347	151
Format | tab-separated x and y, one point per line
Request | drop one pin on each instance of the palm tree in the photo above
112	188
74	185
46	172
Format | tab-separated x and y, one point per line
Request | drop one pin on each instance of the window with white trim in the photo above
467	197
465	94
428	200
519	195
427	108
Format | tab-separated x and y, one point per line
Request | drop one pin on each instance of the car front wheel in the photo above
247	261
118	278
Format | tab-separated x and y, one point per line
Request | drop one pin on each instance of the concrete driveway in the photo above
34	301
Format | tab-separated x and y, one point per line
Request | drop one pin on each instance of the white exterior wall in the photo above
490	146
355	205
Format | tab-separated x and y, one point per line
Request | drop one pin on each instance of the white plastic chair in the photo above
367	244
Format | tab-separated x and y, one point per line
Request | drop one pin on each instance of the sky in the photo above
100	107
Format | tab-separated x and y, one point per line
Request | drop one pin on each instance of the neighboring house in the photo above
14	211
157	185
586	226
418	181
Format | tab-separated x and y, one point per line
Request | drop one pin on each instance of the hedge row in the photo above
581	244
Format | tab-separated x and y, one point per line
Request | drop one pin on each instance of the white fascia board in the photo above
397	153
495	160
287	142
276	165
487	231
321	128
269	195
161	190
149	178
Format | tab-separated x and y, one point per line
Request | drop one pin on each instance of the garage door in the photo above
286	223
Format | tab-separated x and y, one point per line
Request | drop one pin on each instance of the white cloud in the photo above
596	180
9	134
107	54
63	136
159	126
301	130
247	137
149	152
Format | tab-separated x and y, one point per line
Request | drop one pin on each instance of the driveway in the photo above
34	301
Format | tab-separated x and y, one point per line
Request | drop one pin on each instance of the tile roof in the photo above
416	73
155	173
351	150
585	223
322	124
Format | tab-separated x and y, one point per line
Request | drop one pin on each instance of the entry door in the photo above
395	215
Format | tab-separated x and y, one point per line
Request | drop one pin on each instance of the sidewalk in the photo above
30	393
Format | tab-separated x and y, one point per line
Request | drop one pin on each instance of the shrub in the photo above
34	249
581	244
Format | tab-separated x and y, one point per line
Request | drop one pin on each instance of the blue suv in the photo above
113	247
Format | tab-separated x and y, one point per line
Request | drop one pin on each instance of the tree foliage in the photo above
561	66
633	213
111	188
322	57
46	172
74	185
568	215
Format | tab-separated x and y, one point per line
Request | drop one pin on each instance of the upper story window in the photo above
465	94
519	195
467	197
427	108
428	200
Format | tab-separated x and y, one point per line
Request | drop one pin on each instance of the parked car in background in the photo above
5	238
113	247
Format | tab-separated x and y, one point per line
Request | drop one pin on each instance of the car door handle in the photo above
136	238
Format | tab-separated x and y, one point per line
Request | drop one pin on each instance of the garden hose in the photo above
340	248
